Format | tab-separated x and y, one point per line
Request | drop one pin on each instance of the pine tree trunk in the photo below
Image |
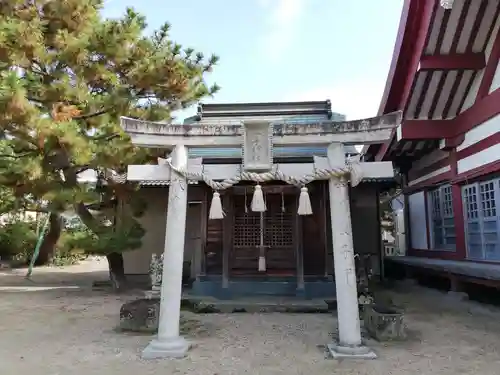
115	260
47	249
116	271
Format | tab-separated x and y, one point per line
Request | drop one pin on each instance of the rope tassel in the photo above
216	211
258	203
305	207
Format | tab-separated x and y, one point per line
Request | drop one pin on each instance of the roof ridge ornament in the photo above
446	4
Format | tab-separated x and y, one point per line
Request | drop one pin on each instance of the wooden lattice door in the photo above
273	228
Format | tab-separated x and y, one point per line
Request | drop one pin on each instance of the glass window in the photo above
482	220
441	218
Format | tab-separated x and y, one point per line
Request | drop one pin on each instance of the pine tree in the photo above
66	76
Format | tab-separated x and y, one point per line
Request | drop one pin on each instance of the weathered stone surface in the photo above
140	315
136	126
384	324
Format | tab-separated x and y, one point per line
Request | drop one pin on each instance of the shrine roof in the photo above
290	118
279	152
311	110
443	63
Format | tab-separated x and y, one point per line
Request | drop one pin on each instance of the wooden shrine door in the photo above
274	229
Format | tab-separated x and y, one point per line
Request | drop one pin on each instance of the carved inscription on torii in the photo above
257	146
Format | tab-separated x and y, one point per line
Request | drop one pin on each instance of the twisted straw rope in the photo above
352	170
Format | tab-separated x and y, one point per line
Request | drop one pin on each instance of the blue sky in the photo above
274	50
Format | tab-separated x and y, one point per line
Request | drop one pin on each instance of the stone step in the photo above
257	305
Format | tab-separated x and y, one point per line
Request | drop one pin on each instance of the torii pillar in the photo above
349	343
169	343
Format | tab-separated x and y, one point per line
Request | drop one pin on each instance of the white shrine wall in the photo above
479	156
154	220
495	84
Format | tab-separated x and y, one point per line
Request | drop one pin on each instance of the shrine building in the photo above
222	256
445	77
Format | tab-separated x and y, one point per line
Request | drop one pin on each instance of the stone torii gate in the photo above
257	139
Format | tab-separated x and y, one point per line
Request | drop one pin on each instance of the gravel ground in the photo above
64	331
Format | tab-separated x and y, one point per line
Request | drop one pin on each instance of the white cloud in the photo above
282	22
355	99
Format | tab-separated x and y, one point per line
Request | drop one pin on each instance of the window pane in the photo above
475	238
437	234
449	222
487	196
449	231
473	227
451	240
492	252
490	226
447	201
470	198
490	237
475	251
435	204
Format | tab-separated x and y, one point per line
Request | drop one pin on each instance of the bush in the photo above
72	245
17	238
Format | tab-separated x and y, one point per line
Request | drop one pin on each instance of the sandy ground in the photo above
70	330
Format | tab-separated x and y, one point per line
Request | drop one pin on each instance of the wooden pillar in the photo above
458	211
204	219
227	236
299	253
380	241
325	230
406	213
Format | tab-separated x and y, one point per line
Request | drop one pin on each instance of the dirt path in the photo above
69	330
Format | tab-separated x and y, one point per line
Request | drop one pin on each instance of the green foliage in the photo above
71	247
17	237
7	200
81	239
66	77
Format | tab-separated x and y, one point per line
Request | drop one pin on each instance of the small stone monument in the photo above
155	275
384	323
142	315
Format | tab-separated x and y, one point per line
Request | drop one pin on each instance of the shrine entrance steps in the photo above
257	304
263	286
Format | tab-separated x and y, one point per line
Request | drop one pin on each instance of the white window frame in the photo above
484	214
446	217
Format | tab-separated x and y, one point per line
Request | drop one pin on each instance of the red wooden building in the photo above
445	76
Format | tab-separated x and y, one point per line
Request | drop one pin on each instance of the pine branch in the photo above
82	168
18	156
101	205
90	115
36	209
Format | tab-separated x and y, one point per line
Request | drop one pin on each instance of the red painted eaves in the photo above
405	32
454	61
416	19
489	70
410	43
